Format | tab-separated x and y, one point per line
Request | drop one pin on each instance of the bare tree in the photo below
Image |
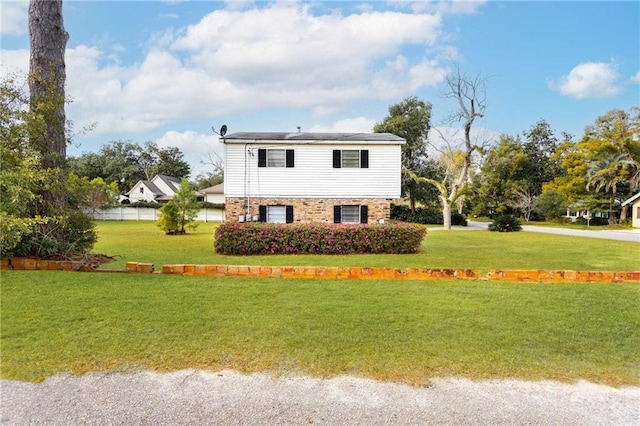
522	199
47	77
470	96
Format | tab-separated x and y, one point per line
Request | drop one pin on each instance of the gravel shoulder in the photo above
231	398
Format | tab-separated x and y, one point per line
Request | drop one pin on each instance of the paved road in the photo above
620	235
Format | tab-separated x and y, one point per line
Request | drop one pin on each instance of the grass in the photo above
482	250
409	332
406	331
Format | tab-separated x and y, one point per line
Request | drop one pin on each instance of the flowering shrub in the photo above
317	238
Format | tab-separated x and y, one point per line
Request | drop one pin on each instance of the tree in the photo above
607	174
411	120
171	163
470	96
181	211
126	162
30	223
93	194
502	176
552	205
540	146
47	77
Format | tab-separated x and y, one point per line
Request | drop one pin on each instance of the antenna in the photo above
223	131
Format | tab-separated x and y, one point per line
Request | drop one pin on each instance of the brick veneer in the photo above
308	209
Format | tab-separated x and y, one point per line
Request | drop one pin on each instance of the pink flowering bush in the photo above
317	238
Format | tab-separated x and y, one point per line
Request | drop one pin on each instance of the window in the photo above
275	157
276	214
142	189
350	158
350	214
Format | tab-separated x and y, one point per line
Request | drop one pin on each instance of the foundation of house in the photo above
306	210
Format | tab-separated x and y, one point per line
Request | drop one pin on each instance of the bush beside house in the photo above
235	238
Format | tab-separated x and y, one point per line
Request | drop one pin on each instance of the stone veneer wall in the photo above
309	209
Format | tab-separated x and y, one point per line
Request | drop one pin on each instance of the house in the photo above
311	177
159	189
634	202
213	194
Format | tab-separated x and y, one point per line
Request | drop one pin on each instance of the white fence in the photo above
144	213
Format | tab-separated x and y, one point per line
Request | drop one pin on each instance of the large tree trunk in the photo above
47	77
446	213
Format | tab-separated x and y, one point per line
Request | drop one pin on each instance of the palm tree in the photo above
607	174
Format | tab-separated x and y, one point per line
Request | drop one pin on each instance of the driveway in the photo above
620	235
198	397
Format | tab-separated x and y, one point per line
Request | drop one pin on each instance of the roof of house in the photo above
215	189
631	200
170	181
147	183
302	137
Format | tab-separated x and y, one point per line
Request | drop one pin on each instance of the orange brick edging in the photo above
318	272
524	276
544	276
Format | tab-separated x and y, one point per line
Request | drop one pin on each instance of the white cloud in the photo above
348	125
14	17
237	61
589	80
636	78
196	147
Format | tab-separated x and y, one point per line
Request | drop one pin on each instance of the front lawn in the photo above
408	331
482	250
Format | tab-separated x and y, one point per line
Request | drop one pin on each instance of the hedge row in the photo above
426	216
316	238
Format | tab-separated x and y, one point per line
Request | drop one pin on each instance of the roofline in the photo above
631	200
312	138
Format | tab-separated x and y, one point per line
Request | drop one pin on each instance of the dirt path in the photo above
230	398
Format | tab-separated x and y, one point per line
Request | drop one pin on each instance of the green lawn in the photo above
407	331
482	250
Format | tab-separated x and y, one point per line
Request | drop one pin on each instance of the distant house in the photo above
634	202
213	194
311	177
160	189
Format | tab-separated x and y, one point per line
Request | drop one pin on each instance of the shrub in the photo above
48	237
316	238
145	204
505	223
425	216
208	205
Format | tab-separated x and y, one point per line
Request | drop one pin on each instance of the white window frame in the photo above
277	214
350	215
350	163
276	160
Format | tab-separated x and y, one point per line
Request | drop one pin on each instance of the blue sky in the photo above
167	71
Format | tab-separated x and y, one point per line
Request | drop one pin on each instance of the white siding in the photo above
135	195
163	186
313	175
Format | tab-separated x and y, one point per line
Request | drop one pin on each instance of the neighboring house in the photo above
213	194
160	189
634	202
311	177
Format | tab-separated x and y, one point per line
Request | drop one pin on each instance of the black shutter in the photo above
337	214
289	214
289	159
262	157
337	159
262	212
364	214
364	159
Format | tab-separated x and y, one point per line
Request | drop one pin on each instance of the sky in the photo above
170	71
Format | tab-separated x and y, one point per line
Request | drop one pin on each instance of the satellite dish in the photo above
223	130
